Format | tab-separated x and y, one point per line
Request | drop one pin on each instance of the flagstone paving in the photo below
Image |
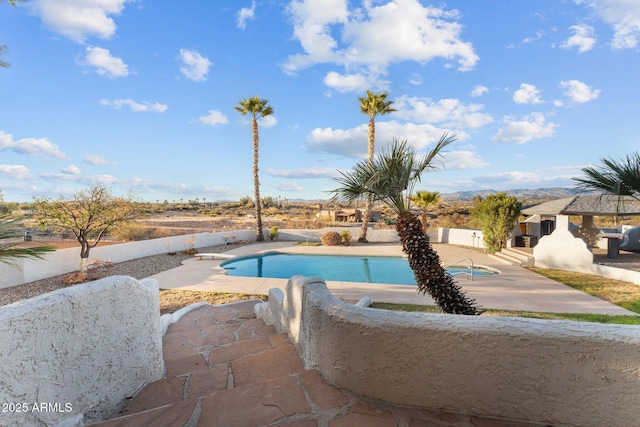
225	367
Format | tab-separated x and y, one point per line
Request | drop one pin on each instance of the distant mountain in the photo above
522	193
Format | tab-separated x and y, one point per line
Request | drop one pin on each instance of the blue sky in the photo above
139	95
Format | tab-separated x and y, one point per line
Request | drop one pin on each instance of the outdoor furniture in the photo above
631	240
613	244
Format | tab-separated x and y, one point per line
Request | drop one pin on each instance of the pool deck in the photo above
515	288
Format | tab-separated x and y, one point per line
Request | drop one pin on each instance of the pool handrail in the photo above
469	275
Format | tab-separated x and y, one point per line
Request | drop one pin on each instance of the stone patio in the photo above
225	367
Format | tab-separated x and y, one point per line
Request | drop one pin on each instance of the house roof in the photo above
602	205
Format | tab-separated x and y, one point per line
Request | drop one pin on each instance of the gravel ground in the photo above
137	268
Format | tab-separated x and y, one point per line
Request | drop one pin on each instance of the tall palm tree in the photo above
372	105
424	199
390	178
9	250
256	107
617	177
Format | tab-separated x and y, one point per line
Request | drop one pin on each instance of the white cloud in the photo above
134	106
30	146
268	122
463	160
71	170
415	79
194	66
78	20
527	94
446	112
623	16
367	40
533	126
305	173
96	160
348	82
539	35
353	142
479	90
215	117
583	38
245	14
16	172
104	63
516	178
579	92
288	186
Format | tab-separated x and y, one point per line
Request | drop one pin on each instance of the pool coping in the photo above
515	288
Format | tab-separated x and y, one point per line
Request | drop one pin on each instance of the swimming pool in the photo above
368	269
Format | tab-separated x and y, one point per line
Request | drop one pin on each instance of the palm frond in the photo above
391	177
616	177
9	250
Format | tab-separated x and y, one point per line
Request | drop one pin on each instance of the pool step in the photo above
513	256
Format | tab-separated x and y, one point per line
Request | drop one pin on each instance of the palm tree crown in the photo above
390	178
620	178
256	107
372	105
424	199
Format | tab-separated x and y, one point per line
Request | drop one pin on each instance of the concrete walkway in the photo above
226	368
515	288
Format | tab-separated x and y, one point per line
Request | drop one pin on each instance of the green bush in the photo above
497	215
346	237
273	233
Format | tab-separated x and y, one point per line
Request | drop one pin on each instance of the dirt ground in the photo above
172	300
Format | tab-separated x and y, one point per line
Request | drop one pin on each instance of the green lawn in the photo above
620	293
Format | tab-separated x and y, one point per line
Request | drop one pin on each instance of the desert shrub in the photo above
75	278
274	233
346	237
129	231
331	238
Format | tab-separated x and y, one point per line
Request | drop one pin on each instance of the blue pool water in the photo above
370	269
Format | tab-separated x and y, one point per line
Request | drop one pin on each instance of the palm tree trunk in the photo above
371	136
429	273
256	181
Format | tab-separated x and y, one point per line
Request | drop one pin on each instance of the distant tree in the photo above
497	215
390	179
256	107
89	215
4	208
616	177
372	105
10	248
424	199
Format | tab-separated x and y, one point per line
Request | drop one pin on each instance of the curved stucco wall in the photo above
79	351
556	372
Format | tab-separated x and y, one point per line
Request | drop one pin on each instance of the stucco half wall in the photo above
554	372
79	351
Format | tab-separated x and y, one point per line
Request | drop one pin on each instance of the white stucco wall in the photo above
67	260
562	250
85	348
459	236
556	372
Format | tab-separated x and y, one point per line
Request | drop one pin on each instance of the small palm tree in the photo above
390	178
9	250
620	178
424	199
256	107
372	105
